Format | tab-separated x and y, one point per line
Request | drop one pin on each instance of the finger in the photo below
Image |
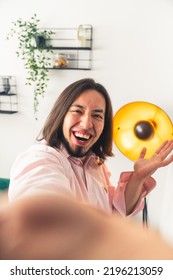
166	151
165	143
142	153
167	161
125	176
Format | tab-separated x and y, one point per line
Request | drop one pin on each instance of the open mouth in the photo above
83	137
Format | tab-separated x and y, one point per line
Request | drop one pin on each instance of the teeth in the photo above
81	135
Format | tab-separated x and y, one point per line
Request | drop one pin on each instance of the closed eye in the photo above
76	111
97	116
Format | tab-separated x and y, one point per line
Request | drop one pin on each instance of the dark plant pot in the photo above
40	41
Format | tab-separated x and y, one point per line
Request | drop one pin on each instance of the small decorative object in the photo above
61	61
6	85
83	34
8	95
35	54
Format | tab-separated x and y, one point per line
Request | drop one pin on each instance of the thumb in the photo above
142	153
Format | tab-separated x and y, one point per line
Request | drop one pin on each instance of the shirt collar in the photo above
91	157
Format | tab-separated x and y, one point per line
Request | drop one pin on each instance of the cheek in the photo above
98	133
100	128
69	121
66	125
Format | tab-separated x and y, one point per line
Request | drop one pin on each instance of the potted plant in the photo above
34	52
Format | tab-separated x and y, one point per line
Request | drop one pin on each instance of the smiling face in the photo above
84	122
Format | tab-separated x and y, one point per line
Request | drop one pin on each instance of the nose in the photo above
86	121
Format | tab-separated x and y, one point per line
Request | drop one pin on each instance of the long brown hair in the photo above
52	130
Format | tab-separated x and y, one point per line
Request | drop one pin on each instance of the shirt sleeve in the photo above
38	169
117	195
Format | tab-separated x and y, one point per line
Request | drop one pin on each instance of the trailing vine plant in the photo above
36	56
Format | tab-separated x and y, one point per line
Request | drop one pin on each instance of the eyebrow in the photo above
82	107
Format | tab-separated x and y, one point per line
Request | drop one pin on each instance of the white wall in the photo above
132	58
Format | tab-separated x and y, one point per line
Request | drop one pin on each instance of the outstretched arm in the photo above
143	169
60	228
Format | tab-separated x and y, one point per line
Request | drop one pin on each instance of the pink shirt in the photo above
44	168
